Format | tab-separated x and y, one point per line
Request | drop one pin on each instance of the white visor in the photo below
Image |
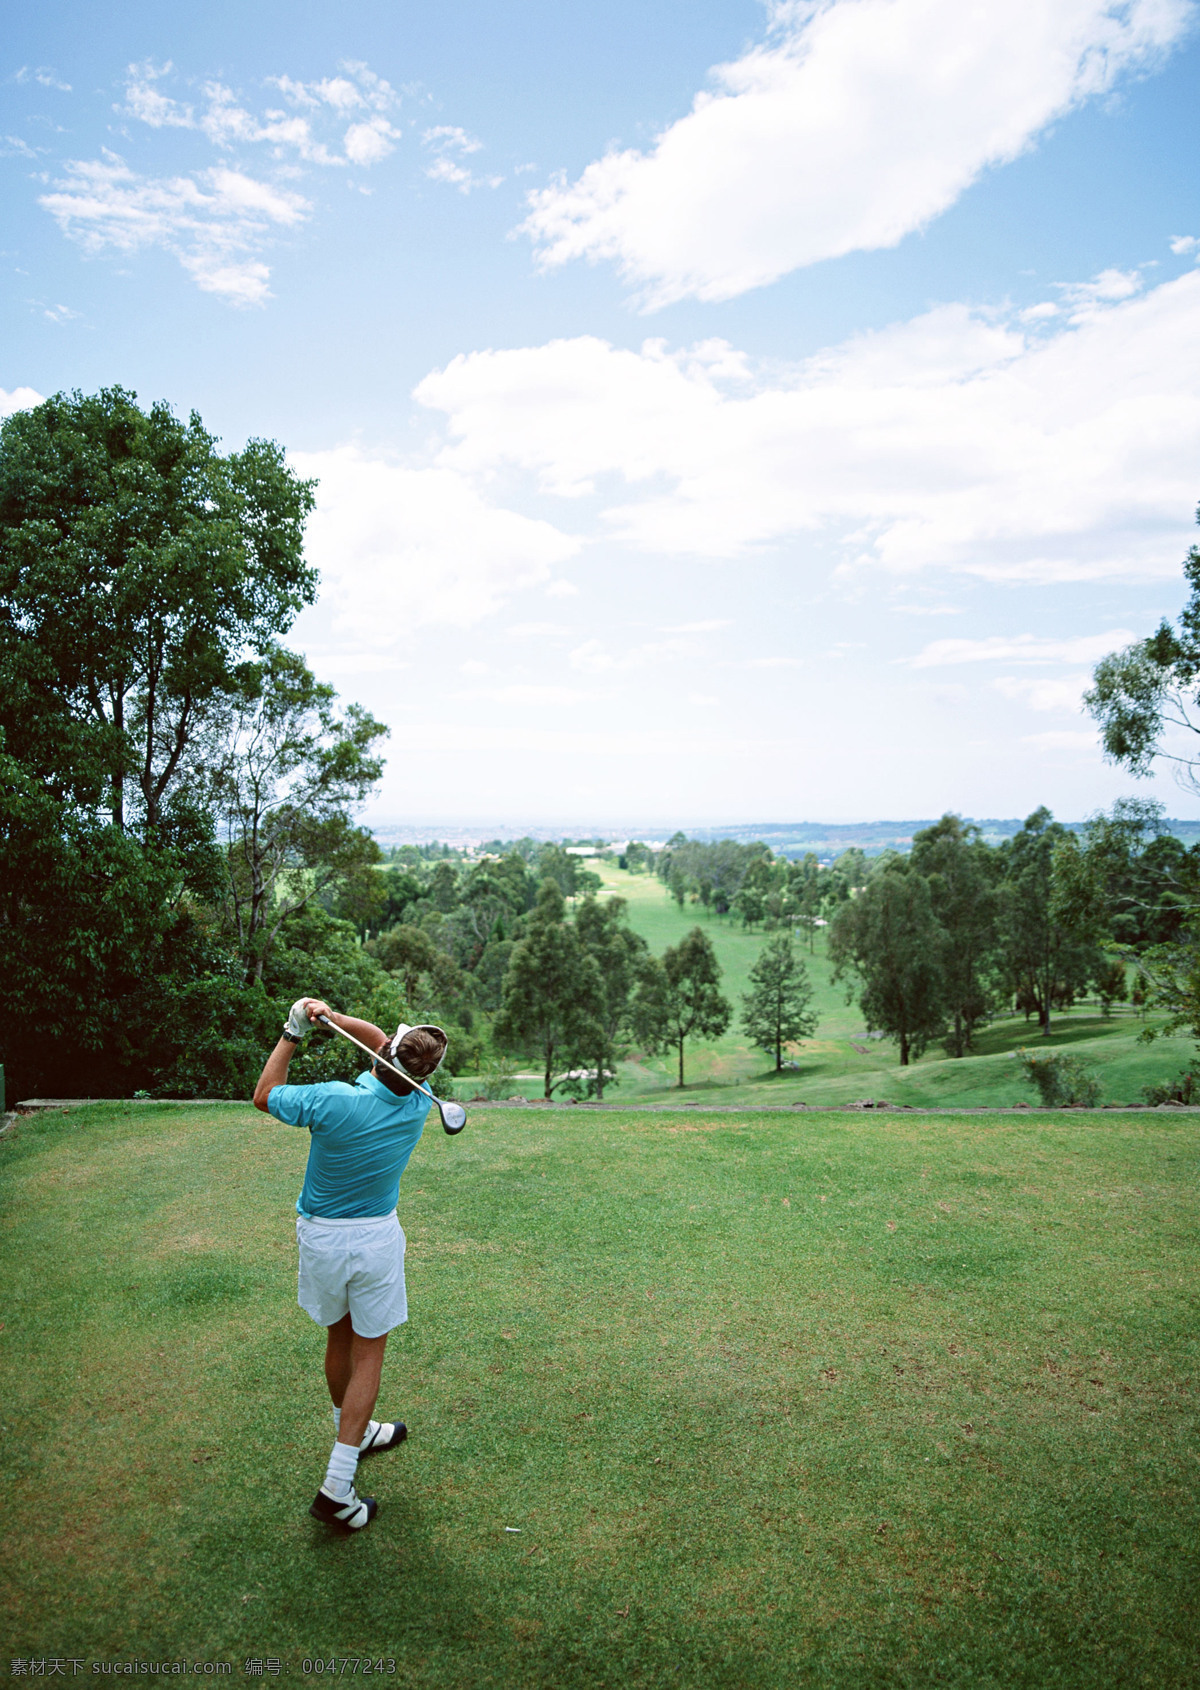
421	1027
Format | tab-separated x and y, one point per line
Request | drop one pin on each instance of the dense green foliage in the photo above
174	787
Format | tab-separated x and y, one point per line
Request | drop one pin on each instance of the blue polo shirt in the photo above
362	1138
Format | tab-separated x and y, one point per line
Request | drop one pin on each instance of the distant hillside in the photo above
793	839
786	839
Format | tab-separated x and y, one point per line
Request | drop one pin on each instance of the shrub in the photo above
1060	1079
1184	1088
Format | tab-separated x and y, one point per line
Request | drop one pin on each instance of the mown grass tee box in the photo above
694	1400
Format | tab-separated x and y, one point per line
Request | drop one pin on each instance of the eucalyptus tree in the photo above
889	941
622	960
963	873
285	771
684	1001
1049	950
552	992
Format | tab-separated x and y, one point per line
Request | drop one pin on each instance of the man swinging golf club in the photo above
351	1243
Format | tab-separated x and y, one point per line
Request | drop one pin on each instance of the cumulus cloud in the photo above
957	441
402	547
854	123
19	399
1022	648
217	219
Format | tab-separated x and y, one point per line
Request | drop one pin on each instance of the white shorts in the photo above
355	1267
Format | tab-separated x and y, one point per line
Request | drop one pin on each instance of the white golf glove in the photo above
297	1023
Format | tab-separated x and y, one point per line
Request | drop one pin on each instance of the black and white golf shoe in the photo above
351	1511
380	1436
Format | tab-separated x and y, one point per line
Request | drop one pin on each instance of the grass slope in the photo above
839	1401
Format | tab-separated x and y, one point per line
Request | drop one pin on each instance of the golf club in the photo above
454	1116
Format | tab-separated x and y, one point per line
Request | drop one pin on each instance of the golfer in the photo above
351	1243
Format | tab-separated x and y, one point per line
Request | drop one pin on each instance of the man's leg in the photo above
361	1392
361	1359
338	1362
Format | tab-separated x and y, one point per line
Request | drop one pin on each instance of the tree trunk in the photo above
681	1062
904	1050
600	1078
778	1051
549	1070
118	785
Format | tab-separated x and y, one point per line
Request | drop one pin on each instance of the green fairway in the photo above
841	1064
775	1400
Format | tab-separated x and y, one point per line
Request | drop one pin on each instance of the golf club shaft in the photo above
376	1057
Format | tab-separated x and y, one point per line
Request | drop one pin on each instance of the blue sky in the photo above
720	413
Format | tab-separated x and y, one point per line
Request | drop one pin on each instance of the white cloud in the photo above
1042	693
1062	740
699	627
1181	245
207	220
401	547
855	123
44	76
594	659
450	145
1022	648
560	588
338	663
370	141
532	693
956	441
19	399
217	219
146	102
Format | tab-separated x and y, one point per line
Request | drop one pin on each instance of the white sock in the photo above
372	1428
337	1419
339	1476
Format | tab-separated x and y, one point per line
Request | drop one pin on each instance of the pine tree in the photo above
777	1009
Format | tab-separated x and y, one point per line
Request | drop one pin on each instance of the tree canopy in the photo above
138	567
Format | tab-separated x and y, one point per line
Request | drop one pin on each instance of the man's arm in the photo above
371	1035
274	1073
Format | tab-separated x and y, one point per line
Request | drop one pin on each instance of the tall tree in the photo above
690	1003
285	772
621	957
803	896
777	1009
1049	952
138	566
1130	884
1146	698
962	873
889	939
552	987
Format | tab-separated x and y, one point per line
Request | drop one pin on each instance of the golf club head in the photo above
454	1117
